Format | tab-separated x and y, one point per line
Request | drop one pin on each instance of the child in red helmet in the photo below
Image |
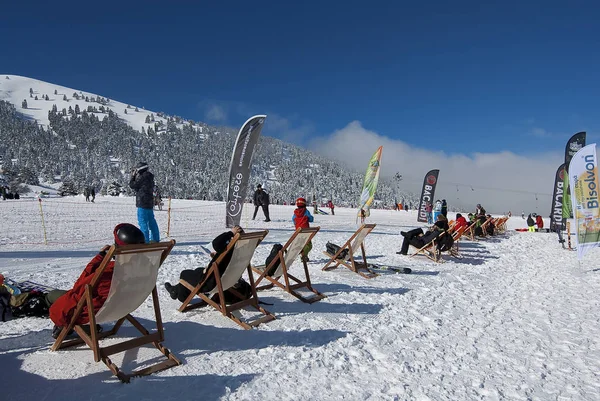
302	218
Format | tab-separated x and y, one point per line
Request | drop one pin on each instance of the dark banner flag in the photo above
239	170
574	144
556	218
427	193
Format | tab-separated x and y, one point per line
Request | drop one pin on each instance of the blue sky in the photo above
449	78
463	77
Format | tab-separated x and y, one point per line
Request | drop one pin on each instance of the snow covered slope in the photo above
15	89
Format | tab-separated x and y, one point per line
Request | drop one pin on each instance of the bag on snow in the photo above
332	249
274	251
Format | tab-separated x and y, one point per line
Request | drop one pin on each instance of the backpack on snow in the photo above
274	251
332	249
242	287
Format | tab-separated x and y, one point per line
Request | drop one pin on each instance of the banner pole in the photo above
569	234
169	218
43	223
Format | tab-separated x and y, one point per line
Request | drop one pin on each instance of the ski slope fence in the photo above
64	222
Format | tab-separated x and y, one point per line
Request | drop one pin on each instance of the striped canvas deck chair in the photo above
281	277
134	279
243	247
431	250
352	245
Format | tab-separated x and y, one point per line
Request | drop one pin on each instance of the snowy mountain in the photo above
50	132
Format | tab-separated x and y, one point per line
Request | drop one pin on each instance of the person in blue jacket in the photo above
142	182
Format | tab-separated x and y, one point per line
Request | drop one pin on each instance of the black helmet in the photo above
126	233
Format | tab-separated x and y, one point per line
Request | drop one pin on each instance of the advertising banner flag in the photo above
574	144
583	177
427	194
556	218
370	184
240	167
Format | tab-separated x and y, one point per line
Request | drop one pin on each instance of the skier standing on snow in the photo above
444	208
261	199
142	182
530	223
331	207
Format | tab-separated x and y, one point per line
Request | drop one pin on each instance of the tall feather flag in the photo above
370	185
574	144
583	177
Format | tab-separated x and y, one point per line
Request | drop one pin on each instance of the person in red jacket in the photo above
331	207
460	222
301	219
539	222
64	303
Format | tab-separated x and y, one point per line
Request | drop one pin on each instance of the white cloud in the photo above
216	113
500	181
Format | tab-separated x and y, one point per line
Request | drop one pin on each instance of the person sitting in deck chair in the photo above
460	222
63	303
417	239
195	276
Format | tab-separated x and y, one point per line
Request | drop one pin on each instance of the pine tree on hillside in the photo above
147	120
136	109
24	104
31	91
55	92
128	106
114	189
87	99
77	110
36	98
65	98
46	97
125	111
67	188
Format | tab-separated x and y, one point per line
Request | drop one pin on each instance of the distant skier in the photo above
539	222
444	208
93	194
86	193
530	223
429	211
261	199
331	207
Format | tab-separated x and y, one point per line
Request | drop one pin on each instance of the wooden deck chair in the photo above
243	247
501	224
133	280
431	250
286	257
456	236
485	224
352	245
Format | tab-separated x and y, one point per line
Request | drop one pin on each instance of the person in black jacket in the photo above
196	276
261	199
444	208
142	182
417	239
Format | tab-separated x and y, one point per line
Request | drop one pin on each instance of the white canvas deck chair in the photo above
286	257
243	247
352	245
134	279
